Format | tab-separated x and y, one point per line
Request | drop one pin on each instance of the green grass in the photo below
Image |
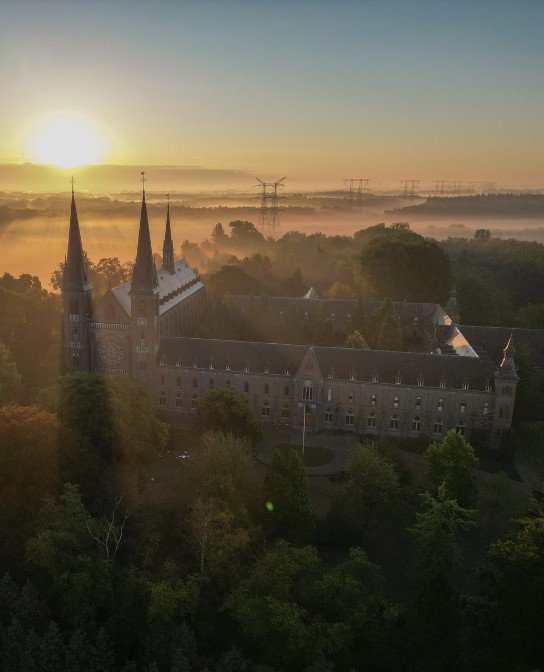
314	456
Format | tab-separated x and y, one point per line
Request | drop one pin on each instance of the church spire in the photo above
168	245
75	269
144	275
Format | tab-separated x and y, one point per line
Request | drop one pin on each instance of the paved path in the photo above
339	444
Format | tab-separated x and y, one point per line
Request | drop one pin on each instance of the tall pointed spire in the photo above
75	270
144	275
168	245
508	365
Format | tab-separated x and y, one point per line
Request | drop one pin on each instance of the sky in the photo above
317	91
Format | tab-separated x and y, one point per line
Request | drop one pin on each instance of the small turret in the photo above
452	307
168	245
508	365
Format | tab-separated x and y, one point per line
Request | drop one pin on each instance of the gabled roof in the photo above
173	287
312	293
277	358
454	371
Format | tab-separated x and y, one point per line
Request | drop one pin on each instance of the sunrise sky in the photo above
316	90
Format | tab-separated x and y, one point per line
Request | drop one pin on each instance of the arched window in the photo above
465	385
438	427
349	418
328	415
141	309
395	402
286	391
179	400
266	409
195	383
162	379
440	405
75	359
375	378
416	424
460	427
373	400
442	383
420	382
397	380
416	320
306	316
394	423
371	420
418	403
285	412
486	408
462	407
350	395
266	388
178	381
329	395
162	399
246	387
349	317
307	390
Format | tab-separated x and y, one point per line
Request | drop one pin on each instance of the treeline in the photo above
492	205
121	558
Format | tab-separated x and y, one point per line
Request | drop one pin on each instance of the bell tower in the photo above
76	299
144	302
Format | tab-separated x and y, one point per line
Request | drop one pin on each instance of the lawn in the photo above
314	456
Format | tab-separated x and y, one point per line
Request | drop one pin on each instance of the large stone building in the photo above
143	329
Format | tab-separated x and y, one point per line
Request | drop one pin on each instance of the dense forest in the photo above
118	554
478	205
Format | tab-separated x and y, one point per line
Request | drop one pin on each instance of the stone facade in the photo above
143	329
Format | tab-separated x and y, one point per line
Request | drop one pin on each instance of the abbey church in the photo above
458	377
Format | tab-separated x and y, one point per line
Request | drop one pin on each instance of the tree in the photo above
531	316
228	411
482	235
403	265
286	495
29	471
453	462
217	538
339	290
232	279
437	532
63	549
9	378
244	235
371	493
356	340
219	237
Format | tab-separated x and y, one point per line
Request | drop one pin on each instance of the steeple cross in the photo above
72	182
143	181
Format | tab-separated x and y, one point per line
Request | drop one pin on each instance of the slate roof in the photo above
432	369
173	287
489	342
341	308
342	363
200	352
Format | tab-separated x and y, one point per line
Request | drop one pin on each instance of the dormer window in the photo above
352	375
179	361
349	317
397	380
287	371
488	386
442	383
163	360
306	316
281	314
211	363
246	368
465	385
375	378
420	382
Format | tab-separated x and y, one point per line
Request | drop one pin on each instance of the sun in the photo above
67	141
